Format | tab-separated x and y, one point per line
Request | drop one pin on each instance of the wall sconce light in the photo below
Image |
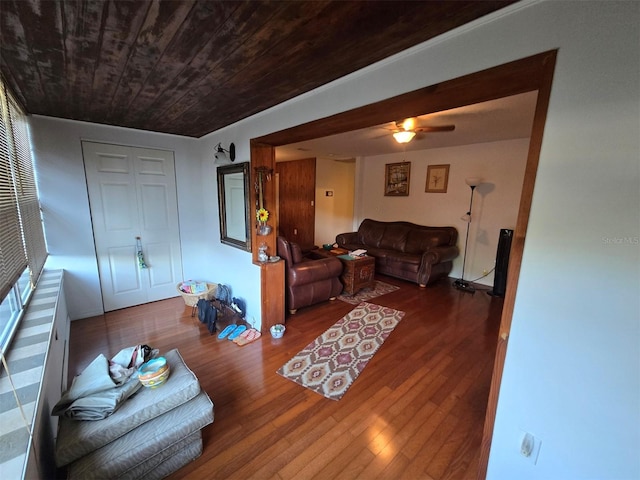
461	283
224	156
404	136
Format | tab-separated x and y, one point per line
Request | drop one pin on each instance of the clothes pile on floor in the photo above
102	387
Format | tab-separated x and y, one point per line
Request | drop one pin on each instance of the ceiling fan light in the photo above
404	136
409	124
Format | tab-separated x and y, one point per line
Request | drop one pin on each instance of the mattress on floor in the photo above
143	443
155	466
188	453
77	438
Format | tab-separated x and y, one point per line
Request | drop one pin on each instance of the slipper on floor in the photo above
236	332
252	336
227	330
242	335
247	336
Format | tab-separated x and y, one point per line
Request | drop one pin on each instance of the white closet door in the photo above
132	192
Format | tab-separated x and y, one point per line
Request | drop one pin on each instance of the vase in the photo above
264	229
262	253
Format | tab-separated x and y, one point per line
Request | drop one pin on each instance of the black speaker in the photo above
502	263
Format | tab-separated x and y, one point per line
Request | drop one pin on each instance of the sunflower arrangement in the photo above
262	215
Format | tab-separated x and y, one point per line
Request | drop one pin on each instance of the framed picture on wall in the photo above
396	179
437	179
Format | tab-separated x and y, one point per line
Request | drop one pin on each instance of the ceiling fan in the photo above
404	131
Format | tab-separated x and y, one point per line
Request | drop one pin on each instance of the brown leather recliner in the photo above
307	281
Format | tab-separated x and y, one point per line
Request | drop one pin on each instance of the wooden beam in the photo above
502	81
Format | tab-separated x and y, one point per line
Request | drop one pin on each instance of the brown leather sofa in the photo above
308	281
405	250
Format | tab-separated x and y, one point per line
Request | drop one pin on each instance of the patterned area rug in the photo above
332	362
368	293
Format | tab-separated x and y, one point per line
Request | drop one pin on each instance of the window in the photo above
22	244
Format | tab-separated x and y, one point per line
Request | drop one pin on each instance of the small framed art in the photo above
437	179
396	179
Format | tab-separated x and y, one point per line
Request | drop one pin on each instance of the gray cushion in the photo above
77	438
141	444
150	467
188	453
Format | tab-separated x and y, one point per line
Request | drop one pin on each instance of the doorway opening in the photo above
526	75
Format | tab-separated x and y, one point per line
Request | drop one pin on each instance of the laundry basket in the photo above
191	299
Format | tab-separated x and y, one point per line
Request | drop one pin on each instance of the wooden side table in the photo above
358	273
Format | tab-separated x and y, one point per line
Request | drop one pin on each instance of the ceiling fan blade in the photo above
441	128
388	130
398	127
380	136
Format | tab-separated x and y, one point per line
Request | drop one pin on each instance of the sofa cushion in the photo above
410	263
394	237
149	468
419	241
388	257
370	233
187	452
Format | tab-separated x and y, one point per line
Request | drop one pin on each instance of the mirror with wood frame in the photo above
233	205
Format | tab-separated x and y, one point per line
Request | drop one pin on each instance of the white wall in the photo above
334	214
67	220
572	374
495	202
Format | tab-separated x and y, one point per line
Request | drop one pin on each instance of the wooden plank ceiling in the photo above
192	67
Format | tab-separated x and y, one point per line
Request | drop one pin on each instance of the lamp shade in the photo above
403	136
473	181
221	154
221	157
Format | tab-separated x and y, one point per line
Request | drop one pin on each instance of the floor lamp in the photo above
461	283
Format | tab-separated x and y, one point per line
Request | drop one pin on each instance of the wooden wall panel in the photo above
263	157
271	274
297	211
272	294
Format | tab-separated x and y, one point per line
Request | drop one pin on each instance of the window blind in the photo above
27	193
12	255
22	241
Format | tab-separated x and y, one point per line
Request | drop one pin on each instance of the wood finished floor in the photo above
415	412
